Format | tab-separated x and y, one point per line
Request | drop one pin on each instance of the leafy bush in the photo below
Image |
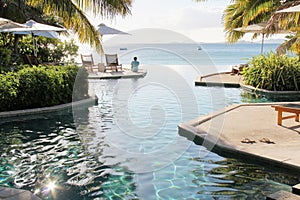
9	86
41	86
5	59
273	72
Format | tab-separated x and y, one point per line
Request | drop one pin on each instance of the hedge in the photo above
273	72
34	87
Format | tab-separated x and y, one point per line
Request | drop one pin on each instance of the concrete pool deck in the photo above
16	194
223	132
223	79
229	80
125	73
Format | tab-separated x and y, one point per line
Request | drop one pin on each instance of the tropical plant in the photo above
52	50
49	50
273	72
70	14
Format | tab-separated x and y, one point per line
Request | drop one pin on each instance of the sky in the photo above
200	21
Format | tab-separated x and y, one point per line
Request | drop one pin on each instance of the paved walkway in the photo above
224	130
125	73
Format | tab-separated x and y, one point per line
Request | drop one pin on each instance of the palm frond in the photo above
74	18
243	13
284	47
283	21
106	8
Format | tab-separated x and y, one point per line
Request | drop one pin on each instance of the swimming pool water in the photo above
128	147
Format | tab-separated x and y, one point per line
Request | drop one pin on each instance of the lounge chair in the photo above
30	60
237	69
112	62
88	63
290	108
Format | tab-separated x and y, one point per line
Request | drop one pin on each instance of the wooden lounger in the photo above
291	108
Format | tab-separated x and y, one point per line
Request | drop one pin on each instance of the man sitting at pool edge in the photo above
135	65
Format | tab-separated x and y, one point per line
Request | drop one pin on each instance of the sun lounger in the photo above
112	62
237	69
30	60
88	63
290	108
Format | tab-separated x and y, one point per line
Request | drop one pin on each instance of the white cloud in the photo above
207	35
195	20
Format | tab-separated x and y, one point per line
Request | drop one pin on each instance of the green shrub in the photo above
34	87
273	72
9	86
5	59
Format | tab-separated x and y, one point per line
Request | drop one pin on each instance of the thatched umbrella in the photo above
6	24
283	19
290	9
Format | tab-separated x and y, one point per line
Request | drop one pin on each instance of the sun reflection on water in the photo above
50	189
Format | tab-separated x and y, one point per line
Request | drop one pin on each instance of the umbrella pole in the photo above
34	45
262	43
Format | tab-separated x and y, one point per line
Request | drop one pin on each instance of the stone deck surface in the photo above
125	73
220	79
16	194
224	131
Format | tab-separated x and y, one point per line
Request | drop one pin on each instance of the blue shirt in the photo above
134	66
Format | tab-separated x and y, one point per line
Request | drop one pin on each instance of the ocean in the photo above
220	55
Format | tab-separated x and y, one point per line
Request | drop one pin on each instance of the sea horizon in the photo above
222	56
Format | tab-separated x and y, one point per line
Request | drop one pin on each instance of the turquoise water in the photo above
220	54
97	152
128	146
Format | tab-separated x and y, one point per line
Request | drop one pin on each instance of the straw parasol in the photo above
255	28
7	24
290	9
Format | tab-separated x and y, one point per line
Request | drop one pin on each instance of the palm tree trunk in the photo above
16	42
262	43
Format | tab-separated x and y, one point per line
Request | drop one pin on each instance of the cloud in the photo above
206	35
190	18
186	17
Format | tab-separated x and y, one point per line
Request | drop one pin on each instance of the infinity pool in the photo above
128	147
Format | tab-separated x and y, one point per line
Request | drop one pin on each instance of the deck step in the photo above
296	189
283	195
16	194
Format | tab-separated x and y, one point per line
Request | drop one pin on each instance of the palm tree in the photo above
287	21
242	13
70	12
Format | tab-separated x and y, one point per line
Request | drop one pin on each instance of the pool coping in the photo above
238	84
126	73
252	89
217	83
188	129
26	112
